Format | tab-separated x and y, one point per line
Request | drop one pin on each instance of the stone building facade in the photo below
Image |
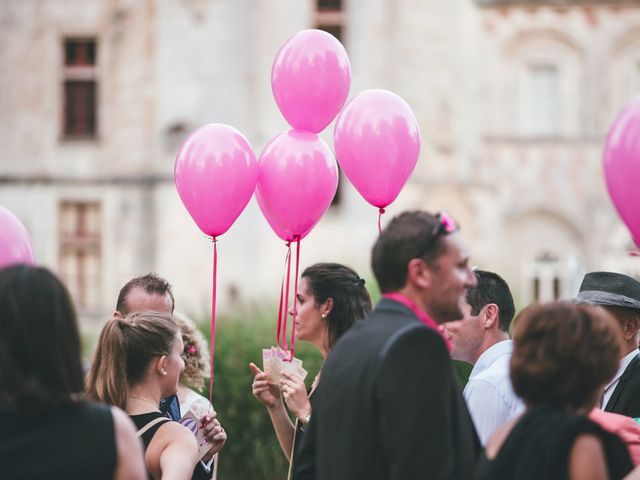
513	99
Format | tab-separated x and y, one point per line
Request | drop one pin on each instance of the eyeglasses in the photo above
445	226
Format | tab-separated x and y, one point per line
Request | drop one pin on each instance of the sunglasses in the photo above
445	226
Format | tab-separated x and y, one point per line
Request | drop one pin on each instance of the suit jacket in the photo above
388	406
625	399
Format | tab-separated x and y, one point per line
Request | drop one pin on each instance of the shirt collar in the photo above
624	363
421	314
490	355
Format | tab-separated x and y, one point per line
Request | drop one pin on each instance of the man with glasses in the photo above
388	405
481	338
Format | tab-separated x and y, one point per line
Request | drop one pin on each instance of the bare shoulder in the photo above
122	422
130	456
175	432
586	459
498	438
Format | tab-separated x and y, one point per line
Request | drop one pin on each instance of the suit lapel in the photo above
633	365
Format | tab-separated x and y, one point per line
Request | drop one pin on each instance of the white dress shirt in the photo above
608	389
489	394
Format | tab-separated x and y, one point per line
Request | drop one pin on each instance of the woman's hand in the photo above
295	395
214	432
266	393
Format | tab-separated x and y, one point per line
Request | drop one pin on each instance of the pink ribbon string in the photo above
286	299
295	301
213	318
282	308
380	212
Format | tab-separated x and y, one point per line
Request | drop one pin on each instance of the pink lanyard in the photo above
422	316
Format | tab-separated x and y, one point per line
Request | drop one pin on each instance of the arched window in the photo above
545	68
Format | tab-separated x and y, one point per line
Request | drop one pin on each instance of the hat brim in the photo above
608	299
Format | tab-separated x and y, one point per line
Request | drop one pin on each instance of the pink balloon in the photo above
298	179
622	166
377	142
310	79
215	173
15	242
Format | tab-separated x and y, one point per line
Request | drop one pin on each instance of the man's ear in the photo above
419	273
630	327
491	315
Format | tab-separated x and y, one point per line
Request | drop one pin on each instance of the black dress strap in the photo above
148	424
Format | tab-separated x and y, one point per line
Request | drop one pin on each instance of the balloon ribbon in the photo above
282	307
380	212
213	318
295	301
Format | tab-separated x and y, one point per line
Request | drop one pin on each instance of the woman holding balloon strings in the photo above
330	299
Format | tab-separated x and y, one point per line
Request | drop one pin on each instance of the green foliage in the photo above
252	450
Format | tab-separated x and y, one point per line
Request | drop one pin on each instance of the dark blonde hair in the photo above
195	354
563	353
126	347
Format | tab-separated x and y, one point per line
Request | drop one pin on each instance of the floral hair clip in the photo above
191	349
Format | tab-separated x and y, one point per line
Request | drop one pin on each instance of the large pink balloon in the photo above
298	179
215	173
15	242
377	144
310	79
622	166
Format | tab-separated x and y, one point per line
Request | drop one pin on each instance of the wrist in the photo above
305	416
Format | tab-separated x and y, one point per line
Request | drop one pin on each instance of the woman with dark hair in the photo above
563	355
330	299
41	390
137	363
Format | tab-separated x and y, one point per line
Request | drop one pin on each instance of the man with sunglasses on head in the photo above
388	404
482	339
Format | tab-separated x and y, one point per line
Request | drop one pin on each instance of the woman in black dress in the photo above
563	355
47	429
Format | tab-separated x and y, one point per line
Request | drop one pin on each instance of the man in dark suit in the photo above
620	296
388	405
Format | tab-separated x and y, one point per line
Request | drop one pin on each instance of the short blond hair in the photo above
195	354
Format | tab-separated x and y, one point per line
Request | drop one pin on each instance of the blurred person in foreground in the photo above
47	428
563	354
482	339
389	405
137	362
331	298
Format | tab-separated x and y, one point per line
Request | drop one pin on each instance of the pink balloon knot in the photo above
381	211
635	252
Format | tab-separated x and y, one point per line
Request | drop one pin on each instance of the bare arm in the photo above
173	452
130	456
269	396
586	460
283	427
